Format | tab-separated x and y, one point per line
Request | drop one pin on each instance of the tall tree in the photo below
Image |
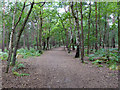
19	34
11	38
104	36
3	32
96	46
78	29
82	44
89	28
113	33
119	31
99	22
40	30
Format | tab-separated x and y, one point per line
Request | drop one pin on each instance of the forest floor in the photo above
58	69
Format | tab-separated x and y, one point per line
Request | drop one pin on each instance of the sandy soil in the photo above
58	69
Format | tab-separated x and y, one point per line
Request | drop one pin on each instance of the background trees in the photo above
77	25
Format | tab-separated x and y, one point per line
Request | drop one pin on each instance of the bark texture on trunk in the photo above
82	50
89	28
40	32
20	33
119	31
11	41
96	46
78	29
3	33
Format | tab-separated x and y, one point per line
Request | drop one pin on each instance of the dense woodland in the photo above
90	28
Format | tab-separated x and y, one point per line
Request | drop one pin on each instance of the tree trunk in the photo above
119	32
3	33
108	39
27	37
104	39
78	29
37	37
82	50
11	40
113	34
40	32
96	46
34	33
19	34
99	27
24	40
47	43
89	28
44	44
93	44
67	34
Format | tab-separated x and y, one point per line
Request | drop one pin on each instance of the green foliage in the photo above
113	67
16	67
100	65
3	55
100	57
27	53
22	74
97	62
91	57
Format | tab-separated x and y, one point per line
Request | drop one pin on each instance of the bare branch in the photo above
36	3
20	15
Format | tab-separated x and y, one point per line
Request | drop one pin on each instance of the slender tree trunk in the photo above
8	31
107	38
11	41
27	37
3	33
113	34
71	37
93	44
82	50
33	35
37	37
74	38
78	29
44	44
19	34
67	34
40	32
119	32
89	28
99	27
104	39
96	46
47	43
24	40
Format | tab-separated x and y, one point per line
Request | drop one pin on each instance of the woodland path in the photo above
58	69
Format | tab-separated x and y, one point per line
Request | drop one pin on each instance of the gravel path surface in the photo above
58	69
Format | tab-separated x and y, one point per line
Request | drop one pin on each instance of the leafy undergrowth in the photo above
24	53
100	57
21	53
17	67
4	55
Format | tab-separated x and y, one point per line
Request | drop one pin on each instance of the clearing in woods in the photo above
58	69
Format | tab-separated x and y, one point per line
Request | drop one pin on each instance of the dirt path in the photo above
57	69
